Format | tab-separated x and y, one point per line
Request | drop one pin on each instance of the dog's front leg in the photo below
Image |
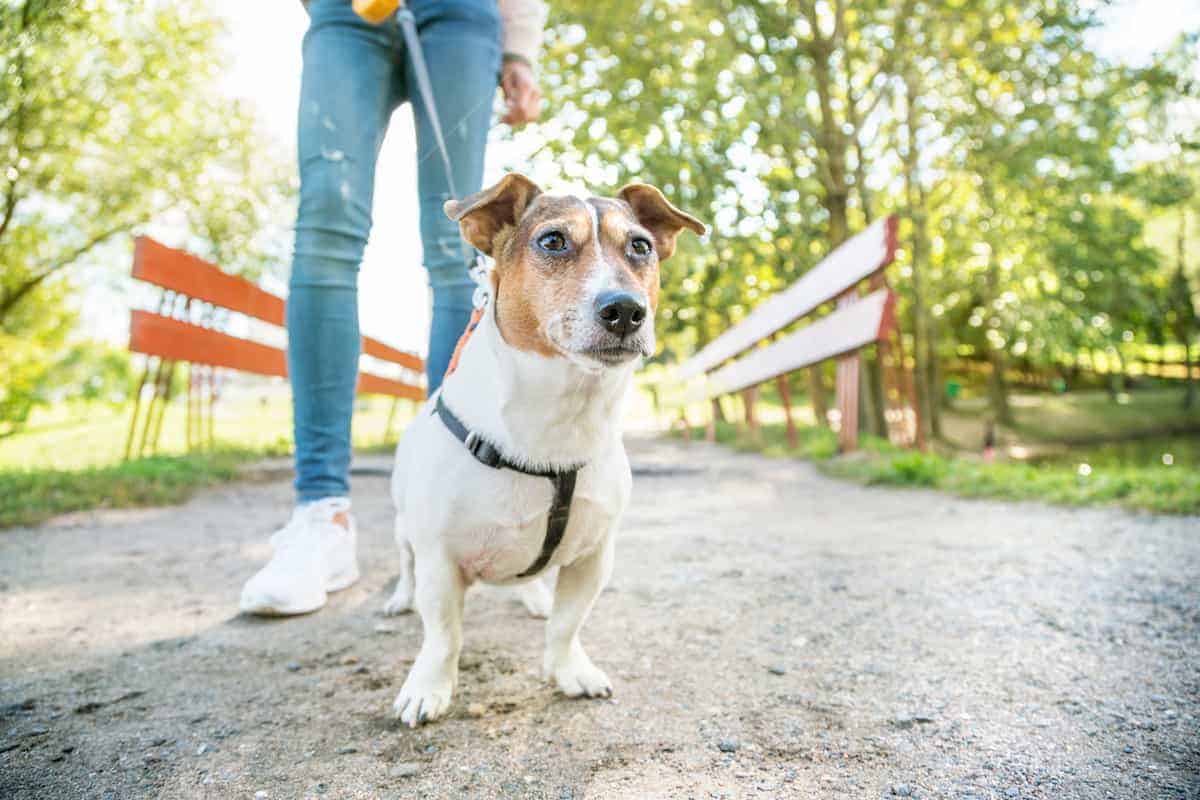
440	587
578	586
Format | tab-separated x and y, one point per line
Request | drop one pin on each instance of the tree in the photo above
111	118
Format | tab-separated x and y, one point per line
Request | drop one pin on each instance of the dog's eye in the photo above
552	242
641	247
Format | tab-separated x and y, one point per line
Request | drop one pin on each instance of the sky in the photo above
264	45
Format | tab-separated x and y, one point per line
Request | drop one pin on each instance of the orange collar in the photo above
476	316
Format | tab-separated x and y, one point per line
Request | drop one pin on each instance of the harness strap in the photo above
489	455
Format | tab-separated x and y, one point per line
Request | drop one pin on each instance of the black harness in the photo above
489	455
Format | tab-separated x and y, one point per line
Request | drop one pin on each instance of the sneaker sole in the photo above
339	582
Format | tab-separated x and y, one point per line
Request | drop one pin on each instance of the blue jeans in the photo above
355	76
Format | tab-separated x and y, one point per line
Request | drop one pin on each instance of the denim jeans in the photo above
355	76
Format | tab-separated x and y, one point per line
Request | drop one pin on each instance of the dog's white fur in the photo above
461	521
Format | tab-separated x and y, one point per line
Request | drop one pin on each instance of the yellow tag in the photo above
375	11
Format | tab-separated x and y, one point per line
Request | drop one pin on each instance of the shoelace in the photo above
305	518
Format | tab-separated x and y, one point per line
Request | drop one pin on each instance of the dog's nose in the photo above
620	312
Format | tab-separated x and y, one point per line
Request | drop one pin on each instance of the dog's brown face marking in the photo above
559	259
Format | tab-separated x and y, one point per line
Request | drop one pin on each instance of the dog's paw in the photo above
579	677
401	601
422	701
536	598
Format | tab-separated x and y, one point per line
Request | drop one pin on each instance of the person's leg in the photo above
461	42
348	91
347	95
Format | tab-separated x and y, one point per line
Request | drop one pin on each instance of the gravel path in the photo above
770	633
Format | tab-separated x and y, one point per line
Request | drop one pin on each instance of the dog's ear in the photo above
484	214
663	220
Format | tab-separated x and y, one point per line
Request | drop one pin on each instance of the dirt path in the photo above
770	633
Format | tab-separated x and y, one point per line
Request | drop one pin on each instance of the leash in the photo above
489	455
408	27
482	450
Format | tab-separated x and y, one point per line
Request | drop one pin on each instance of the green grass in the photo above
74	436
1148	484
31	496
70	457
1174	489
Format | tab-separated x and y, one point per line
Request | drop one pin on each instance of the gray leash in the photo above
408	26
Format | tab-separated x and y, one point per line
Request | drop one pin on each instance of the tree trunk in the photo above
997	385
916	214
1187	312
935	382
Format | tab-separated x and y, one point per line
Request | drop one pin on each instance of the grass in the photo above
31	496
70	457
256	417
1174	489
1133	474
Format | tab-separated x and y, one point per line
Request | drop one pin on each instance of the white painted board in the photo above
843	331
858	258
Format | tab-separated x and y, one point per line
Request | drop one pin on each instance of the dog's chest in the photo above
500	534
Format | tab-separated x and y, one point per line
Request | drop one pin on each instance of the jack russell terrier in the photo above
516	465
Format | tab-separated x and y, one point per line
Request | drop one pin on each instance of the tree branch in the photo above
12	298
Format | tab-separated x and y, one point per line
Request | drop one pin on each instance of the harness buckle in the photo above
482	450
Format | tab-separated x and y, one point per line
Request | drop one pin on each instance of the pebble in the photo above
1012	791
902	790
203	748
728	745
908	720
349	660
346	750
777	669
405	770
384	629
292	666
260	795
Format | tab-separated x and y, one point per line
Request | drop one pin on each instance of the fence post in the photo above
785	394
848	380
749	396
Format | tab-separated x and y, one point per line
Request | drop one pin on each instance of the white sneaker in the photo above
313	555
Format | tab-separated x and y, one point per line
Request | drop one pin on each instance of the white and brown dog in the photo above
517	465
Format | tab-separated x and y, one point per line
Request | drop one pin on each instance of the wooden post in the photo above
166	401
137	407
687	426
785	394
749	396
710	429
146	426
847	388
387	428
212	406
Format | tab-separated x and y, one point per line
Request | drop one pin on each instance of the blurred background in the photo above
1043	159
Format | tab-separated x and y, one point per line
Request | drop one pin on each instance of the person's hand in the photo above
521	93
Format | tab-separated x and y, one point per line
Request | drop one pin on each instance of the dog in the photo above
516	466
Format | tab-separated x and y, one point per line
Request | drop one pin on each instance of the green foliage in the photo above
111	120
1013	152
28	497
41	370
